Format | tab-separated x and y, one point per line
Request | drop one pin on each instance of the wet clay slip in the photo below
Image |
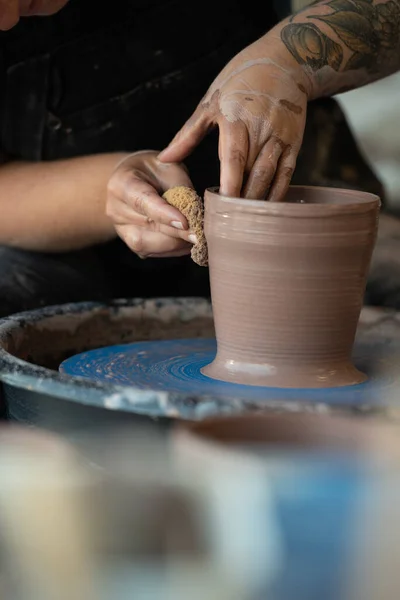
287	285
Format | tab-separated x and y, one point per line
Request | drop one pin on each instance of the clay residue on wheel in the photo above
54	335
187	201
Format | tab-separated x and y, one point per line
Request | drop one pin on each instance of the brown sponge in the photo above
191	206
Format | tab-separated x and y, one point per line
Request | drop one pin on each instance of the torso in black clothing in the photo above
98	79
91	79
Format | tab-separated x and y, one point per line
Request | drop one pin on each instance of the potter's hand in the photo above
144	220
259	104
259	100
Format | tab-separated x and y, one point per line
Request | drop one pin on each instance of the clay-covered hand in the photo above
145	221
259	104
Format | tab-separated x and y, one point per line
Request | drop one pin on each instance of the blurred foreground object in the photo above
259	507
334	497
104	519
45	547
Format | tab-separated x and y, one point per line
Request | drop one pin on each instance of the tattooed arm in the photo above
259	100
344	44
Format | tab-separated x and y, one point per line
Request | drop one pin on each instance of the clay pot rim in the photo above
365	202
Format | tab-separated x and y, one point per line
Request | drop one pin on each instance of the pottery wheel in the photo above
174	366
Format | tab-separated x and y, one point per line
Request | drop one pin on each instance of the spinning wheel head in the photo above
174	366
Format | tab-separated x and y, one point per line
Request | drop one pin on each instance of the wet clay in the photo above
287	285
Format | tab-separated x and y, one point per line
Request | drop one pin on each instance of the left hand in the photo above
259	104
148	225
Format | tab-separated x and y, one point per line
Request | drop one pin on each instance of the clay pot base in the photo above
343	374
175	367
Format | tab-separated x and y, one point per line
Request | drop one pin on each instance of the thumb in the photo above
186	140
173	175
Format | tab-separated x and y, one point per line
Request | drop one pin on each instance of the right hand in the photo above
259	104
148	225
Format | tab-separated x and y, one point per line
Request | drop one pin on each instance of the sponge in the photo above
191	206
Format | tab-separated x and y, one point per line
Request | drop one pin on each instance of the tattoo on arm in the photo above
358	34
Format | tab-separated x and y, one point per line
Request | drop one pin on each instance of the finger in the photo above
146	243
174	254
263	171
170	175
9	14
144	199
122	214
186	140
233	148
283	176
187	236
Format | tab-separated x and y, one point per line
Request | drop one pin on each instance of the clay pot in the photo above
287	285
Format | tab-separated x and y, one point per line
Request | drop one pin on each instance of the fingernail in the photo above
193	238
177	224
